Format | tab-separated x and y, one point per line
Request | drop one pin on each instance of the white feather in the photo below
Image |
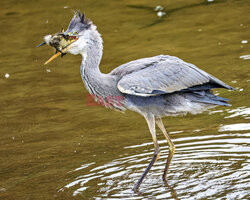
47	38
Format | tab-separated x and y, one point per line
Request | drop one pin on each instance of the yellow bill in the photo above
52	57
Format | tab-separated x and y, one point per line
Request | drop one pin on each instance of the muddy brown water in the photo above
54	146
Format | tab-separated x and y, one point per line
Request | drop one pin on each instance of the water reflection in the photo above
235	127
204	166
241	111
245	57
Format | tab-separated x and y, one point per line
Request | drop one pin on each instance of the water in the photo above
54	146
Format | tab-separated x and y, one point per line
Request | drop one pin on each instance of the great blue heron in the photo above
153	87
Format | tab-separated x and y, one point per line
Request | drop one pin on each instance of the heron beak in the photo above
59	53
64	50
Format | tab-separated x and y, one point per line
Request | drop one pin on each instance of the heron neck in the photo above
91	58
101	85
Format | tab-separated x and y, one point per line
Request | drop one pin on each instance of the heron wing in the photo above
163	74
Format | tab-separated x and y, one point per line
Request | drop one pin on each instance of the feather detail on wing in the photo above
163	74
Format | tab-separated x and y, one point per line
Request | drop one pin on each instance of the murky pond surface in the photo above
54	146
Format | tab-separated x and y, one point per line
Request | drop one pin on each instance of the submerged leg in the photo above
171	147
151	124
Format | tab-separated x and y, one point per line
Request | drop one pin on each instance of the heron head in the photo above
74	39
78	29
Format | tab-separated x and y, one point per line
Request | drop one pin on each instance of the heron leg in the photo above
151	124
171	146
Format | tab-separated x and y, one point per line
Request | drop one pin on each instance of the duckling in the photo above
58	41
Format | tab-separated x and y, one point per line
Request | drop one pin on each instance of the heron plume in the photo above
79	20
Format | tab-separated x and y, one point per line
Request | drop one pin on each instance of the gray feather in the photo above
161	74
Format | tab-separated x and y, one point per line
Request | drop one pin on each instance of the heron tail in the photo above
207	96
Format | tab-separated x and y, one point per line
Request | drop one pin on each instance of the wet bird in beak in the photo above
60	41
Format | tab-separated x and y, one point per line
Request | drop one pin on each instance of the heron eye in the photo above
75	33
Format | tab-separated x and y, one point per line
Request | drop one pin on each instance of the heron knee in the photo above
157	153
172	148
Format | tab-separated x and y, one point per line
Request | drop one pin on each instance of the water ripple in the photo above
204	167
241	111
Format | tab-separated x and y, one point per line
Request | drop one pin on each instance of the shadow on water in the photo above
173	10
